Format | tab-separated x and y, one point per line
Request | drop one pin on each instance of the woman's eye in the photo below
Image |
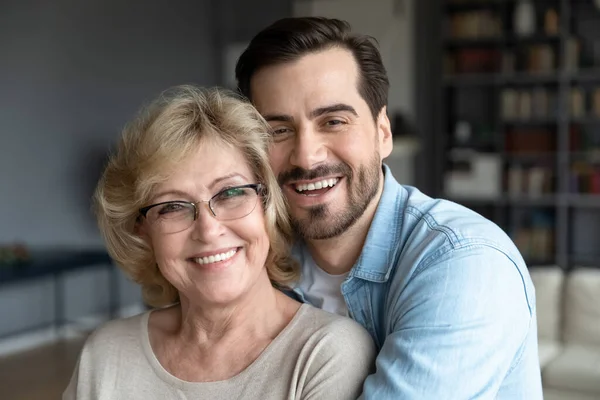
170	208
233	192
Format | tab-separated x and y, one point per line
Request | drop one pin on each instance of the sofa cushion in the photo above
576	368
557	394
548	350
548	283
582	307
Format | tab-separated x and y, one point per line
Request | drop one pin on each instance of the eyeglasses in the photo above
229	204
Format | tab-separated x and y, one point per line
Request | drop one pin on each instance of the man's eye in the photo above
280	131
335	122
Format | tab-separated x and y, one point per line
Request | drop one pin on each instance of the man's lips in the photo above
314	184
308	181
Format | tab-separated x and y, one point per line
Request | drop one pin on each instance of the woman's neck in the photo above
259	314
200	343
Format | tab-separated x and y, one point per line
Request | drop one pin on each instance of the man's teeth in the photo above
317	185
215	257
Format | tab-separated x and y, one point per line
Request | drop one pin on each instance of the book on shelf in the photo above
529	182
585	178
479	24
530	140
534	235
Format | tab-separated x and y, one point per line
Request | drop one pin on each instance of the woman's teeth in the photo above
215	257
317	185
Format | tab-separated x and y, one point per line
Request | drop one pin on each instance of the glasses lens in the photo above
172	217
234	203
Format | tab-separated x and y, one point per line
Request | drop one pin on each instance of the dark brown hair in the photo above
288	39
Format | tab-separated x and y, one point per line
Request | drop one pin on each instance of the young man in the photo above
443	292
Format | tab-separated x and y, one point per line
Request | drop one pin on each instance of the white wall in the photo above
391	22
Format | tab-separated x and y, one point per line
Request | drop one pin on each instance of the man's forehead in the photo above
327	68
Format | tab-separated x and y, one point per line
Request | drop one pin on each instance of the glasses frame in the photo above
258	188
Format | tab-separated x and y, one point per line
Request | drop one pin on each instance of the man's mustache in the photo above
301	174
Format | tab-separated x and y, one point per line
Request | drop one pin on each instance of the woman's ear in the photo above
141	228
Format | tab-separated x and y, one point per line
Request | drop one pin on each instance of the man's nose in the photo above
309	149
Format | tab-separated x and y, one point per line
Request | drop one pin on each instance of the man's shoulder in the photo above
442	225
425	231
438	232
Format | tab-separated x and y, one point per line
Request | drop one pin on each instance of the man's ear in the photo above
384	133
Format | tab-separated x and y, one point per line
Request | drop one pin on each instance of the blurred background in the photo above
495	105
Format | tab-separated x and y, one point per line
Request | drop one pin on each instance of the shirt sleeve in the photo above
339	361
456	334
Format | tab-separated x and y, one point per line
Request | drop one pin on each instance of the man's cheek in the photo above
277	158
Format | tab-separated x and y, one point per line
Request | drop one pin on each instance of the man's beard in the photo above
323	223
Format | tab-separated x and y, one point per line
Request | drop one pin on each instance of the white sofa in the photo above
568	312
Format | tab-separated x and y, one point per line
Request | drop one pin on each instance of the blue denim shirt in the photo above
448	300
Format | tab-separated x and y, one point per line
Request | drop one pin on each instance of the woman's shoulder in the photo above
116	333
344	330
336	348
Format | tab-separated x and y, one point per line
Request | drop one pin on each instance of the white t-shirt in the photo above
322	289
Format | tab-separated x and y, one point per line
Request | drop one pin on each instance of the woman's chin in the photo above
219	296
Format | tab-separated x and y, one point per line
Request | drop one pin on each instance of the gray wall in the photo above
71	74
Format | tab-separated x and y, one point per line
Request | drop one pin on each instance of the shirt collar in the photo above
378	254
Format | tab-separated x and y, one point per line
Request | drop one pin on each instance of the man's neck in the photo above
339	254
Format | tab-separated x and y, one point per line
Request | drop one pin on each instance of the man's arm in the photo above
457	331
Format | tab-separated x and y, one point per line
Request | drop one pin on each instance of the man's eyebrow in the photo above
317	112
278	118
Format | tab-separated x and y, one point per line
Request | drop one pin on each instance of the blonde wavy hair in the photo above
163	134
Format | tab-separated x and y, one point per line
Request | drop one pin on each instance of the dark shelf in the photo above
530	122
539	262
585	260
516	40
589	156
519	78
495	41
544	200
474	42
582	200
585	120
529	156
470	5
534	201
585	75
471	202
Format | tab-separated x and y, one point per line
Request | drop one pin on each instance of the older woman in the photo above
191	211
